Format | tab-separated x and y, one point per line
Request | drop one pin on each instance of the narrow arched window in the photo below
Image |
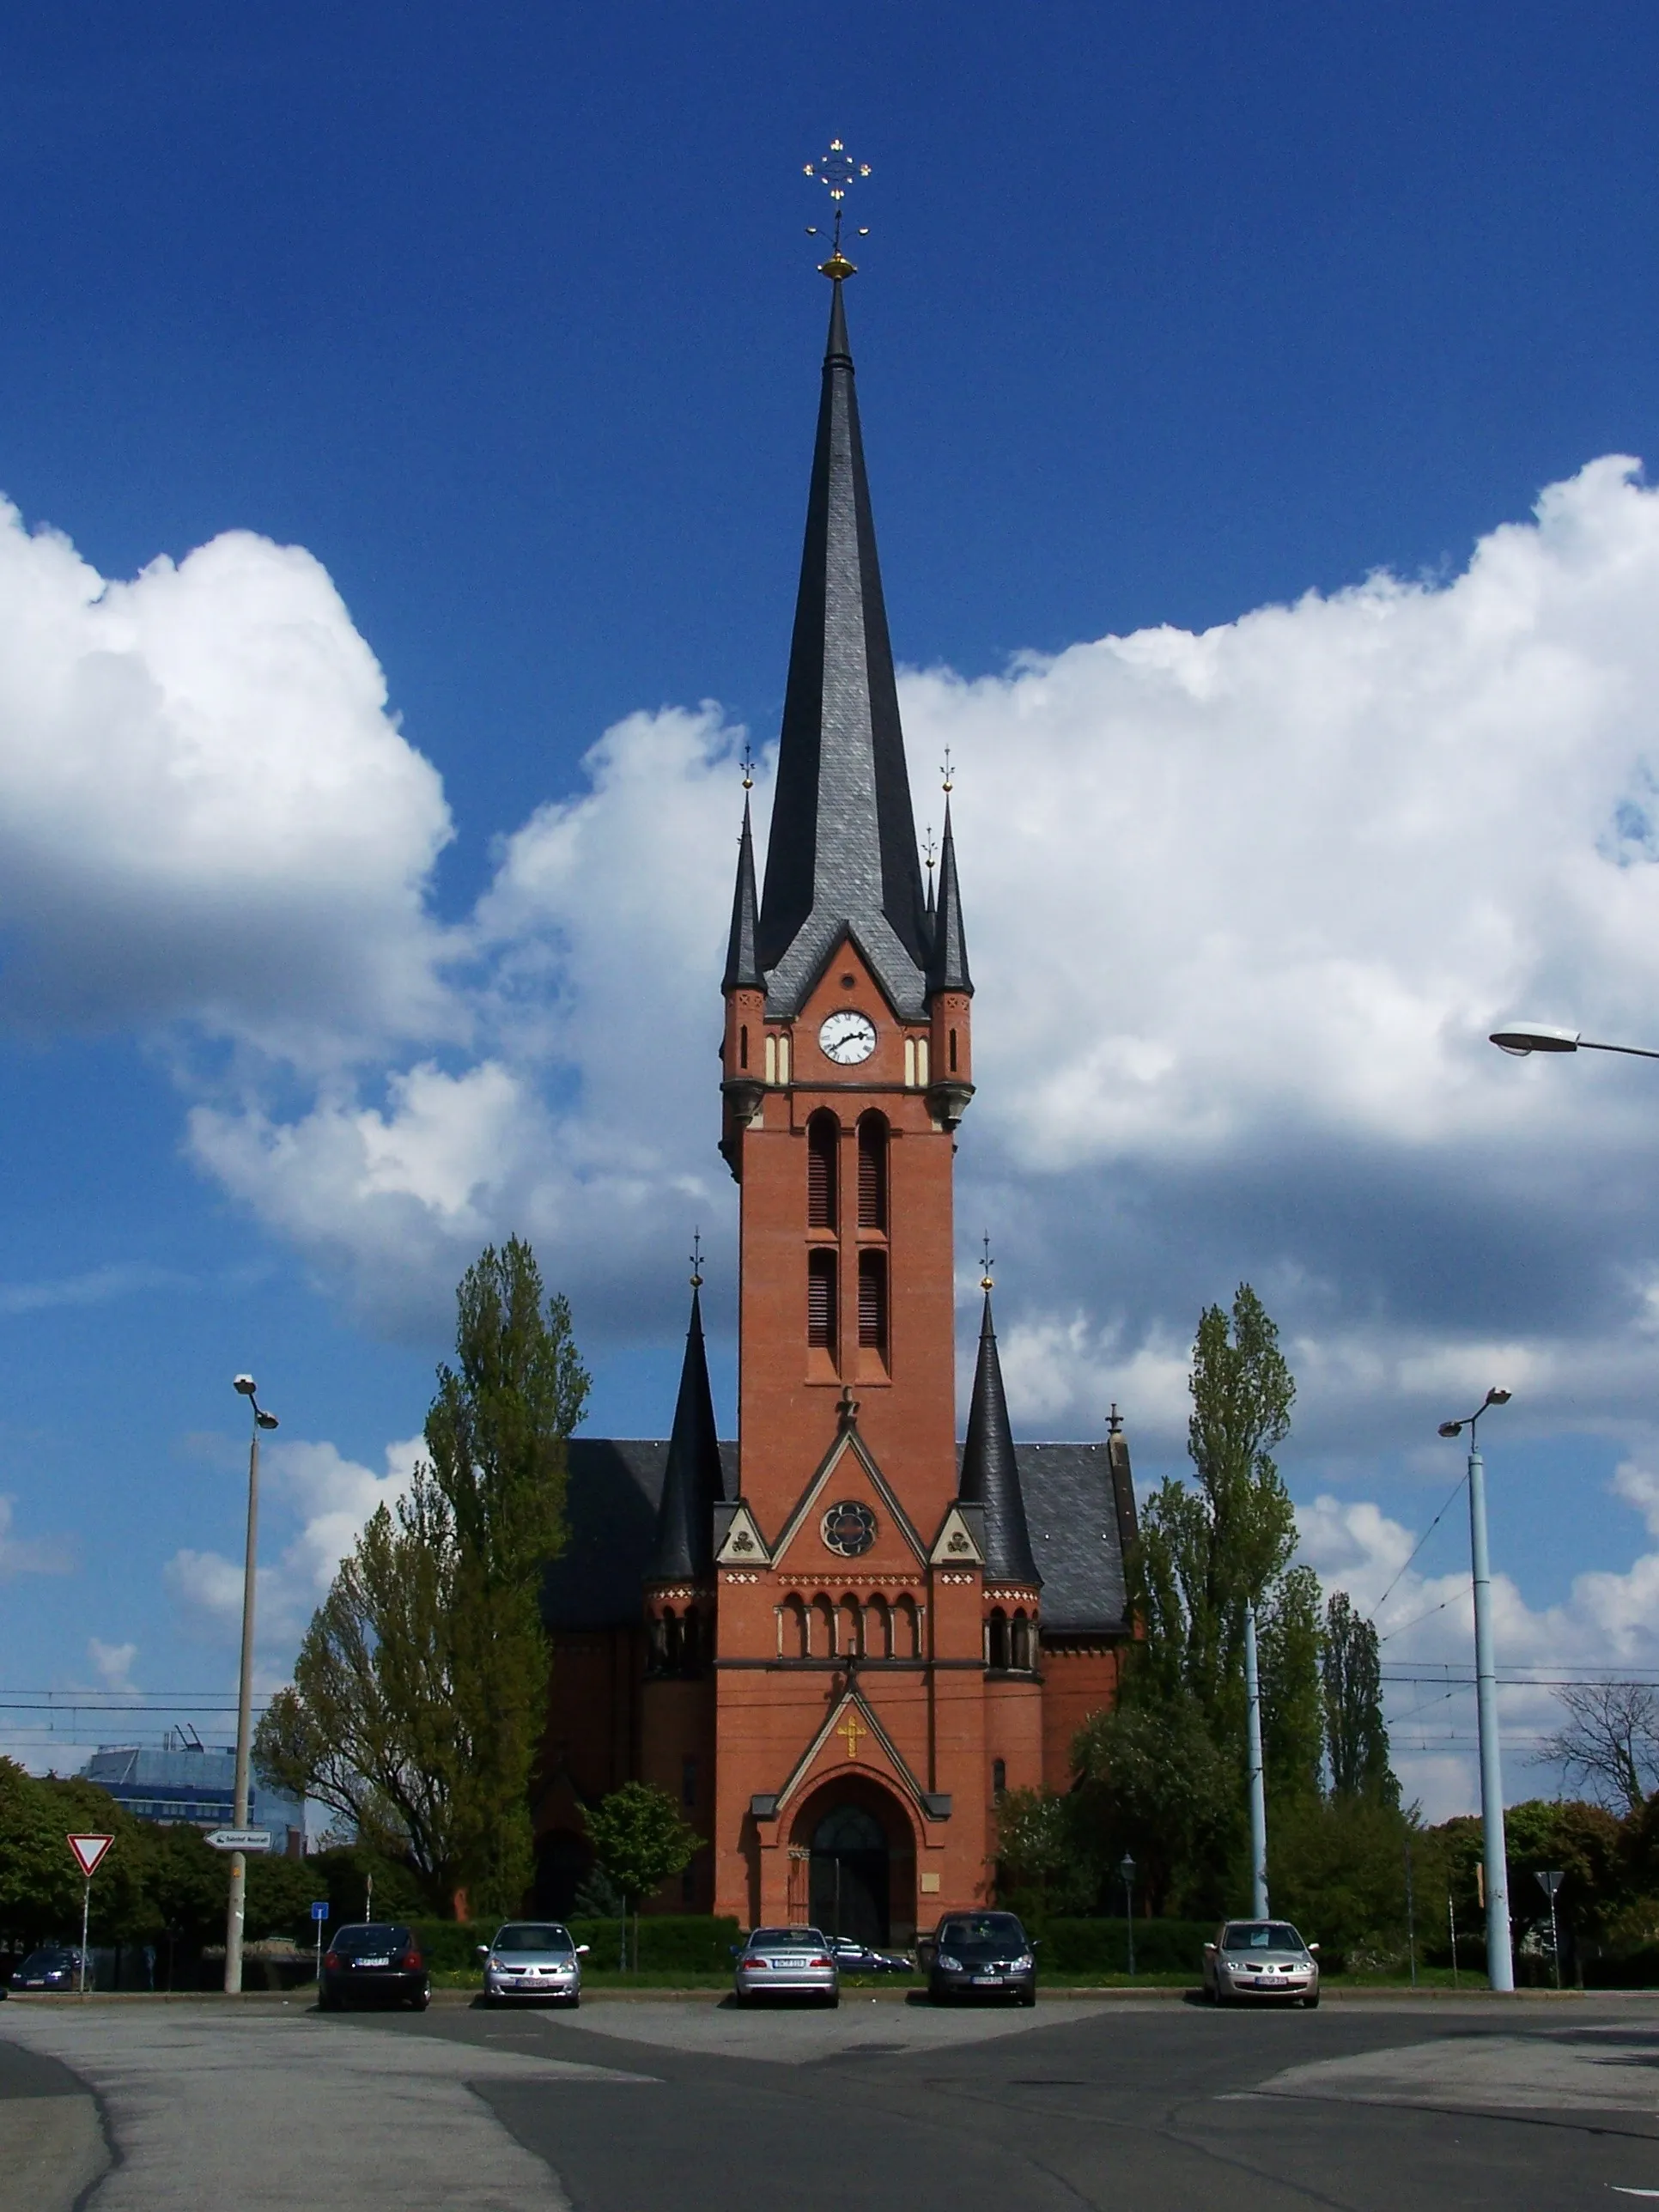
820	1300
996	1640
872	1301
998	1777
822	1626
953	1052
742	1045
873	1171
878	1629
850	1625
823	1145
907	1630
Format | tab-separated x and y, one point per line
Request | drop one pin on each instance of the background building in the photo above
186	1782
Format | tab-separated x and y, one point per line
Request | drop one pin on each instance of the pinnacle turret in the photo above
947	960
990	1475
742	958
692	1483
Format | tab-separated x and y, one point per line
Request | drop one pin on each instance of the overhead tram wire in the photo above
1461	1480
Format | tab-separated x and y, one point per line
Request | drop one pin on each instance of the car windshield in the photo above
46	1962
787	1939
1262	1935
371	1940
533	1936
987	1936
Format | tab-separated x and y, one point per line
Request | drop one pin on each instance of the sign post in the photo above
88	1852
319	1914
1549	1883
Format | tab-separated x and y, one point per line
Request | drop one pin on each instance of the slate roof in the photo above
947	962
693	1482
842	855
1073	1510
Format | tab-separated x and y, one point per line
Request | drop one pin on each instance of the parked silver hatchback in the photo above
779	1962
1260	1960
533	1959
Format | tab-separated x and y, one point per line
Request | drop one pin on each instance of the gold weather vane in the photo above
837	172
987	1263
947	773
928	852
696	1258
747	764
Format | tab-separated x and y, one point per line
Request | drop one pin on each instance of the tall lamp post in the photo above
1500	1964
1257	1780
236	1912
1127	1867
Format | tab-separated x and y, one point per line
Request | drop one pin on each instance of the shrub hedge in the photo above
669	1942
1100	1947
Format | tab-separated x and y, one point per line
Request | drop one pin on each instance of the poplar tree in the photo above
420	1685
1356	1735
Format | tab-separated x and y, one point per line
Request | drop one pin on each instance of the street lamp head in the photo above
1451	1428
1126	1867
1497	1397
245	1384
1535	1037
265	1420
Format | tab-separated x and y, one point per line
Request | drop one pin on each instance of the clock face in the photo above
849	1528
847	1038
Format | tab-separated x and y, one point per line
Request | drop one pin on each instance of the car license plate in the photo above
987	1981
373	1962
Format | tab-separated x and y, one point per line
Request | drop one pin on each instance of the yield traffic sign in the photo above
89	1851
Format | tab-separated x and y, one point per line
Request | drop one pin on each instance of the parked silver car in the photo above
1260	1960
533	1959
777	1962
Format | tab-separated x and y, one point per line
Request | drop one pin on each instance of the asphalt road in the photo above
1130	2105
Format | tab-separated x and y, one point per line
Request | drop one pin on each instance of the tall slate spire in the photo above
692	1484
742	959
990	1476
947	962
843	850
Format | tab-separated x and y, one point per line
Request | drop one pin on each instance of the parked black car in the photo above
972	1954
376	1961
54	1967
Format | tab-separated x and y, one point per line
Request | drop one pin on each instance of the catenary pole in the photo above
236	1911
1500	1964
1258	1791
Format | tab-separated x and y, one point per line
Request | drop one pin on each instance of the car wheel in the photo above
572	2004
1311	2003
1028	1996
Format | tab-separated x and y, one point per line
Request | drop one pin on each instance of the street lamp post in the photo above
236	1912
1500	1963
1127	1869
1535	1037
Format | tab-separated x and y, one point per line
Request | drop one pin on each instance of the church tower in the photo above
854	1598
836	1642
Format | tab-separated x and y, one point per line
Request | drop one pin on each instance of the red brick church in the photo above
836	1641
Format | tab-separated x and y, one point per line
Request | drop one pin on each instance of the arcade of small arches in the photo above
824	1628
680	1642
849	1627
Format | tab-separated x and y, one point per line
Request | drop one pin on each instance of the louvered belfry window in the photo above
872	1172
872	1301
821	1300
822	1140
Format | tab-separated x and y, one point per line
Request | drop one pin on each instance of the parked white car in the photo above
533	1959
1259	1960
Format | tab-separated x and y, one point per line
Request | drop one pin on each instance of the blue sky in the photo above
1169	316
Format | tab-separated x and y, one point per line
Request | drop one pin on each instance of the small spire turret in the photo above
990	1474
692	1483
742	957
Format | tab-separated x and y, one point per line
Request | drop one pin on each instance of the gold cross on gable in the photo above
851	1733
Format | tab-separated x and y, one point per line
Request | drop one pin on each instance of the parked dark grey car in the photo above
980	1954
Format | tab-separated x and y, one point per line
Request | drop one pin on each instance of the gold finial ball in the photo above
837	267
986	1283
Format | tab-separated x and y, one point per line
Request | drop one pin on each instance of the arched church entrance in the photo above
860	1849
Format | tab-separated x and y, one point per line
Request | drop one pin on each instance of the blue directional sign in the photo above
319	1911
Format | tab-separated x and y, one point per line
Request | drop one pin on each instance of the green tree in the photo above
1038	1845
1206	1550
1293	1706
1356	1735
419	1691
640	1841
1153	1782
